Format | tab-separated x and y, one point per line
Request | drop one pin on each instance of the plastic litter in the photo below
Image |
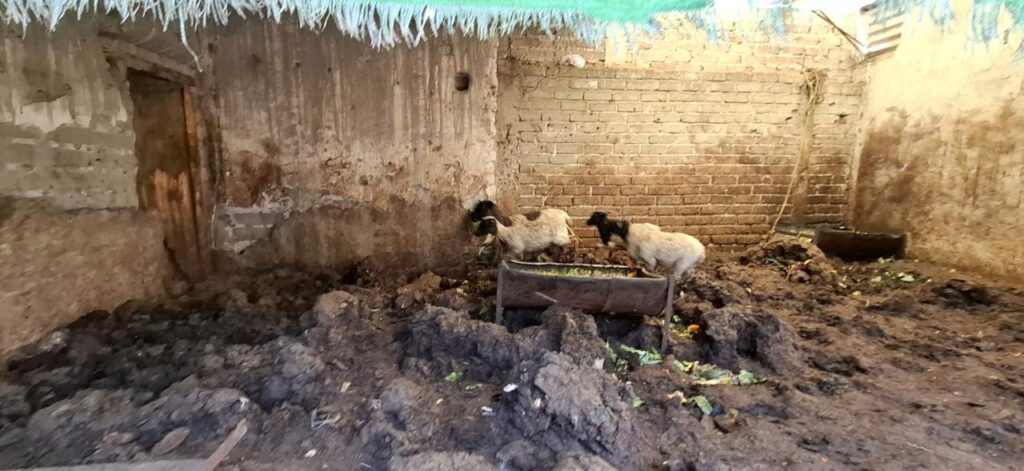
574	60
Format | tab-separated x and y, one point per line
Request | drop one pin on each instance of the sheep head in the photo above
487	226
482	209
608	228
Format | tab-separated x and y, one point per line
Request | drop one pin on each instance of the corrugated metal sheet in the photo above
880	36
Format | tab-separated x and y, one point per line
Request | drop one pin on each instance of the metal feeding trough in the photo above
596	288
851	245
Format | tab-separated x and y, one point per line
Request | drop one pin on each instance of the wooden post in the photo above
499	311
666	327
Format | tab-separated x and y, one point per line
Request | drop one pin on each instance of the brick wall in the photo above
690	135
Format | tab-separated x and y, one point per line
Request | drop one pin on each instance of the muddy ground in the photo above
893	365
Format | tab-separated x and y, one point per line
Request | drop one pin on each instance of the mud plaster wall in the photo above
691	135
71	239
333	151
56	265
942	152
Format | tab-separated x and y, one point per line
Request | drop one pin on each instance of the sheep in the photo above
649	244
652	246
528	236
538	230
488	208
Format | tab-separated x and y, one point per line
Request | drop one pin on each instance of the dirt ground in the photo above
884	365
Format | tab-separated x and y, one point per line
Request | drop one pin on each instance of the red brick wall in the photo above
690	135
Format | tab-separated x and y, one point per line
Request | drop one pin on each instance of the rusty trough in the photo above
594	288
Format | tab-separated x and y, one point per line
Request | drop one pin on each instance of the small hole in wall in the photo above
462	81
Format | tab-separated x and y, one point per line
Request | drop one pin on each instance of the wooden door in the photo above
163	151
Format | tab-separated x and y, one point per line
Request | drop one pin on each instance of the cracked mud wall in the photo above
333	151
941	153
71	238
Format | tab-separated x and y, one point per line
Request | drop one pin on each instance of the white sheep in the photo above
543	229
647	243
550	229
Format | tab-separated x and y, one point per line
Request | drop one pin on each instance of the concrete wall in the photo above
71	240
691	135
333	151
942	152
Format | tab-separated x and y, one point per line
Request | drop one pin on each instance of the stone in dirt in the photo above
171	441
744	338
799	261
13	402
522	454
331	305
418	292
275	390
440	335
581	462
299	361
574	406
958	293
442	461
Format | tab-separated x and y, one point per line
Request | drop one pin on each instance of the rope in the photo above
813	79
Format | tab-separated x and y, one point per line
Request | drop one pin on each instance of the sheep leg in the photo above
666	325
575	239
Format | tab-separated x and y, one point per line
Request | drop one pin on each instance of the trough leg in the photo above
666	325
499	310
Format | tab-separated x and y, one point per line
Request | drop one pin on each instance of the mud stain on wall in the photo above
351	152
953	183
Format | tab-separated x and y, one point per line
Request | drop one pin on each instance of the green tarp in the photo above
385	23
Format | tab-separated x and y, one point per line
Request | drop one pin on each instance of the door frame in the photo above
127	56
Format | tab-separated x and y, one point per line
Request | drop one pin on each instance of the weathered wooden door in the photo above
163	151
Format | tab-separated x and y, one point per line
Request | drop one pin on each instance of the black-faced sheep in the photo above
529	236
533	231
650	245
647	243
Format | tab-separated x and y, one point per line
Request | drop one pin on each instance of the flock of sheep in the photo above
549	227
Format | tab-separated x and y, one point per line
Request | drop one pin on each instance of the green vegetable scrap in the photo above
711	375
637	402
646	358
747	378
453	377
704	404
618	364
583	272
